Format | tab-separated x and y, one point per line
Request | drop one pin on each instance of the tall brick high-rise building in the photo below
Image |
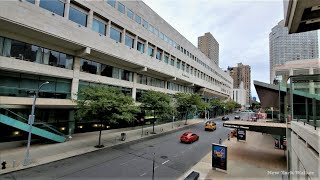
209	46
241	73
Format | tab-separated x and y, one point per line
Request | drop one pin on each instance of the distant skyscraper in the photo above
209	46
241	73
284	47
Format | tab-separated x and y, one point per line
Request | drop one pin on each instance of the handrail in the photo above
39	122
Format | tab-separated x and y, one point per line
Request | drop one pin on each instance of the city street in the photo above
132	160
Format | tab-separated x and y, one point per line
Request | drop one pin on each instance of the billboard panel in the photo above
219	156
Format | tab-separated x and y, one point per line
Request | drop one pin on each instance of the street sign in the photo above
241	134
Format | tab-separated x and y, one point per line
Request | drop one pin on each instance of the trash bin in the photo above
123	136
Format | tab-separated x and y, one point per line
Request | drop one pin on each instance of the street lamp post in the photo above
30	122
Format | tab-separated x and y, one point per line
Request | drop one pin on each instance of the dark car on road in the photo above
236	117
225	118
189	137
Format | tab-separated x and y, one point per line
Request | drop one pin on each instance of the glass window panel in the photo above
178	64
17	49
150	51
138	19
69	62
172	62
51	87
161	35
166	59
165	38
140	47
183	66
98	26
50	57
1	45
129	13
54	6
95	68
77	16
106	70
63	85
129	41
115	73
159	55
121	7
115	35
112	3
156	31
7	47
33	53
29	81
150	28
145	24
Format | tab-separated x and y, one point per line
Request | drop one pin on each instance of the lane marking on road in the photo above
190	148
175	155
143	174
156	167
183	152
127	162
165	162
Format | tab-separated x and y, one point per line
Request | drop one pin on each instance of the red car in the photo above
189	137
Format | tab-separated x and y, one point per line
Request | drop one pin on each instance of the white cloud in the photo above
240	26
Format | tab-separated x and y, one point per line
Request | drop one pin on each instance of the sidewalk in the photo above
250	159
82	143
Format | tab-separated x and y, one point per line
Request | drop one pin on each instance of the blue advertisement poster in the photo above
219	156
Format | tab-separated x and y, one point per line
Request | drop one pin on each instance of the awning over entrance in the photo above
264	127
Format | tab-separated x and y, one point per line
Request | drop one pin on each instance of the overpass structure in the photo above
263	127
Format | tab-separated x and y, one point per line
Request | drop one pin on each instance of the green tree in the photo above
107	105
189	103
158	102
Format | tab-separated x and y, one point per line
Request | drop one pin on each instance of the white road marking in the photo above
165	162
127	162
175	156
143	174
156	167
183	152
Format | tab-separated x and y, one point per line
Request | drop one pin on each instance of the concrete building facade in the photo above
209	46
74	44
242	74
300	67
240	95
284	47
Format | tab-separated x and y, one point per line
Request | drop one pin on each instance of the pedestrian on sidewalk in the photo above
4	164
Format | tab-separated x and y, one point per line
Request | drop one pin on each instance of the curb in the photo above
107	147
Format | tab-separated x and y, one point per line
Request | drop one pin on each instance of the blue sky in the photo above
241	27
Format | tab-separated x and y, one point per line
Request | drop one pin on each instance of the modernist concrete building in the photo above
284	47
73	44
209	46
300	67
242	74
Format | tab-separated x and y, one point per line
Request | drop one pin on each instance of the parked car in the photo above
225	118
237	117
189	137
210	125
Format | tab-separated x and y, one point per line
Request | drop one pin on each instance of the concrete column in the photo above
37	2
135	46
71	124
123	36
146	47
75	79
90	19
108	28
291	72
162	56
311	84
134	88
66	9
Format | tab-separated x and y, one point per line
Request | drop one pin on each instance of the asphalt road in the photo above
134	160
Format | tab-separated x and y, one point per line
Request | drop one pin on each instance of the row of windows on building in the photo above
80	15
133	16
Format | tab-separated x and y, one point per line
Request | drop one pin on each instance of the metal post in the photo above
314	113
153	165
307	110
279	102
30	122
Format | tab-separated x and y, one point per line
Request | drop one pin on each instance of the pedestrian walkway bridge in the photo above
264	127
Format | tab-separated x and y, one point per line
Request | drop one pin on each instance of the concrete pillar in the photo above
90	19
108	28
37	2
134	88
66	9
71	124
123	36
135	46
146	47
311	84
162	56
75	79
